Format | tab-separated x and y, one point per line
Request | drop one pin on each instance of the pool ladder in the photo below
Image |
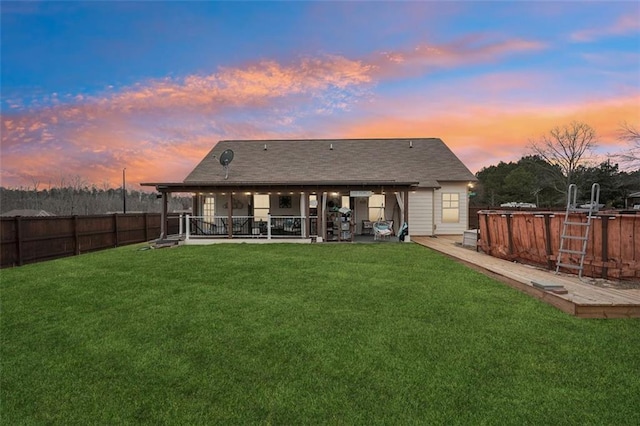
576	231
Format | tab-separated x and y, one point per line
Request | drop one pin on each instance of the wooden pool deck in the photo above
582	298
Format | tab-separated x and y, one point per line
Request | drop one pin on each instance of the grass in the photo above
300	334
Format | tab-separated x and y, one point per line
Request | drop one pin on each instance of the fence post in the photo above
509	233
180	224
146	227
547	236
268	226
115	229
605	246
487	237
18	241
76	238
187	228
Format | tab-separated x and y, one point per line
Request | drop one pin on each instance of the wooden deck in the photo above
582	299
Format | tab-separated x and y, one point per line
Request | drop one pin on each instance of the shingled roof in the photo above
425	162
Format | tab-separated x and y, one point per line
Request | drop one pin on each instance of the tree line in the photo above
86	200
556	160
533	180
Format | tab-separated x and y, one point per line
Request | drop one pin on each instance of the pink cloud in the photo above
472	49
253	85
626	24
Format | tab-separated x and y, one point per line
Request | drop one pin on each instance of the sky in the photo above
91	88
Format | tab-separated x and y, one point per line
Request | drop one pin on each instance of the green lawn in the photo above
300	334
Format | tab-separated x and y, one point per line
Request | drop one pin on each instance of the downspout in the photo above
433	213
406	209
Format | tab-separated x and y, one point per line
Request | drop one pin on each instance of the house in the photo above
633	201
325	188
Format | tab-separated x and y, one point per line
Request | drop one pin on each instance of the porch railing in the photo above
247	227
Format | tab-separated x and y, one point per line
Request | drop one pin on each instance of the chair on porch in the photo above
382	229
292	225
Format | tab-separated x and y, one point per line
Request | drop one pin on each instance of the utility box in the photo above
470	238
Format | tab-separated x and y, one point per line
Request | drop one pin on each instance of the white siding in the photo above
462	225
421	212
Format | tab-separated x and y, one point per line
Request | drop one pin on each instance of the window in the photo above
209	208
345	201
260	206
313	201
450	207
376	207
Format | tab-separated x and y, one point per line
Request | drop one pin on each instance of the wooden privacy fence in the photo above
33	239
613	247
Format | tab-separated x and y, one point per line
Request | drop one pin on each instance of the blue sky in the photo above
89	88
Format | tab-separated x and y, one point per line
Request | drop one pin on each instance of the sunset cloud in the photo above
435	70
100	134
626	24
469	50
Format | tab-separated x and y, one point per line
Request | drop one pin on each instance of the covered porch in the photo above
339	212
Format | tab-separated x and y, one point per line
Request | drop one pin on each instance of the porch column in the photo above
230	215
163	216
304	212
400	201
323	216
406	206
195	201
307	220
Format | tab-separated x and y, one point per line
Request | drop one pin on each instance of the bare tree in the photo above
631	157
566	147
36	184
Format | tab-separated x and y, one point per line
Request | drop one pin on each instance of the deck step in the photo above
553	288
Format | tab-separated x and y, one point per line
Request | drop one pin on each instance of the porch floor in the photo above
585	298
201	240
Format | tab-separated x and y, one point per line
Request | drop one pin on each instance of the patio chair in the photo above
291	225
382	229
